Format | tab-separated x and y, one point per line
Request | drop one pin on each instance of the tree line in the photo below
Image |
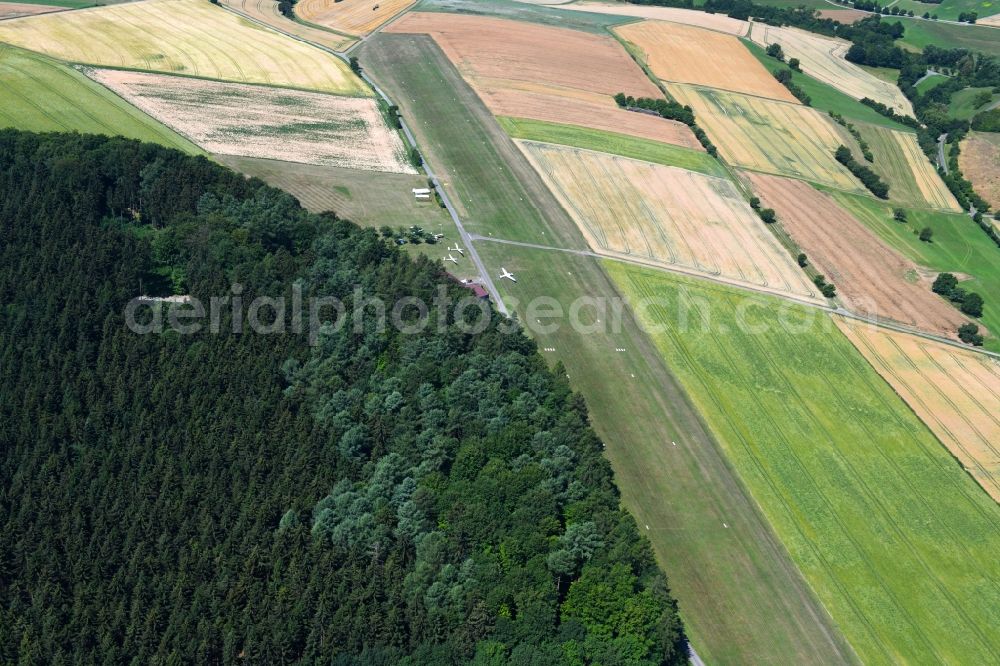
868	178
375	498
671	110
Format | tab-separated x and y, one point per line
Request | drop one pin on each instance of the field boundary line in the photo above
833	310
874	497
924	350
278	30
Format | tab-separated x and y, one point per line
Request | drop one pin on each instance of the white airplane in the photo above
504	273
457	249
451	259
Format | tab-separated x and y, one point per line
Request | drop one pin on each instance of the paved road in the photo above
695	659
942	162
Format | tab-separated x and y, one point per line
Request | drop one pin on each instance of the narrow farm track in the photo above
874	321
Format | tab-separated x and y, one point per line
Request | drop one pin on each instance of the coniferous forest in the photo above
218	497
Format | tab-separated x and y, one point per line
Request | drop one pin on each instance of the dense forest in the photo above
361	497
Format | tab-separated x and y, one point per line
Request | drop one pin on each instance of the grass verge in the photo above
616	144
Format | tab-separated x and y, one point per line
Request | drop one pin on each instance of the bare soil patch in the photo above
535	71
871	278
845	16
260	121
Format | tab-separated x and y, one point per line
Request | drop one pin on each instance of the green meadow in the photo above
43	95
896	540
610	142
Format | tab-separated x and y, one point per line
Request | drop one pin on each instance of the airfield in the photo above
815	474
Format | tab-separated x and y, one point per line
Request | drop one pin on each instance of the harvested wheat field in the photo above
980	163
871	278
664	216
770	136
9	10
954	391
692	17
260	121
911	177
682	54
355	17
266	11
533	71
189	37
823	59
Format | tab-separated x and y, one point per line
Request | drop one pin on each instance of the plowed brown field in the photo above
533	71
683	54
871	278
954	391
980	163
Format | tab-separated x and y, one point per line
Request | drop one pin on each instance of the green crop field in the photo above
824	96
897	541
887	74
959	246
610	142
966	103
525	11
43	95
913	180
931	82
950	9
742	599
494	188
948	35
